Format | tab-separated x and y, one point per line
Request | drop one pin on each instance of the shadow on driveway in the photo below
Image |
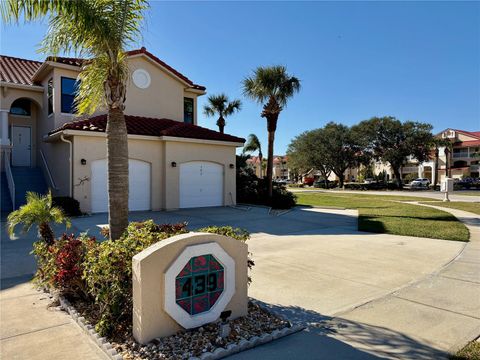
325	338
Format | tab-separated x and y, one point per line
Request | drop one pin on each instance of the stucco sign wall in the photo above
187	281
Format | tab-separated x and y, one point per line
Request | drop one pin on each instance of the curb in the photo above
102	342
243	345
218	353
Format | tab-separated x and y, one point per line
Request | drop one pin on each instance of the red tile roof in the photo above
17	71
143	50
139	125
470	143
21	71
470	133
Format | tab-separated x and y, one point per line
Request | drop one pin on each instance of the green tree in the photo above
253	144
342	149
309	151
271	87
99	30
220	105
37	211
389	140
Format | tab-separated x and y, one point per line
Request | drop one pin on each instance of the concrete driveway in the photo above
316	268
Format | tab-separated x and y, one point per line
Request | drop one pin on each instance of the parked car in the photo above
420	182
369	181
308	181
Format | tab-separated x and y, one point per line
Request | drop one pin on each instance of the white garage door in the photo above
139	185
201	184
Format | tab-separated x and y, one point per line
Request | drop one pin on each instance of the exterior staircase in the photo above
27	179
5	201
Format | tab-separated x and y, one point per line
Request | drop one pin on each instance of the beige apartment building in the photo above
280	167
173	162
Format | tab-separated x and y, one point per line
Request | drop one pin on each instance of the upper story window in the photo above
188	110
50	96
21	107
69	88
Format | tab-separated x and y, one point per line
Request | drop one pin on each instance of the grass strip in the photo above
385	214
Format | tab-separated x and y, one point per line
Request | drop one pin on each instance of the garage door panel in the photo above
201	184
139	185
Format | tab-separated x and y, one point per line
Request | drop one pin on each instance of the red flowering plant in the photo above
60	265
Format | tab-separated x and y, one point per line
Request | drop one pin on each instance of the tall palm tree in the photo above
220	105
253	144
437	143
39	211
272	87
99	30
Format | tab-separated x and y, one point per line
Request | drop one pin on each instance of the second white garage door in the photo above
139	185
201	184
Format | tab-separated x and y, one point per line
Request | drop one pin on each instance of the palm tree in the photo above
253	144
437	143
99	30
39	211
272	87
220	105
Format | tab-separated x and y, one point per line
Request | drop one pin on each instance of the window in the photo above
50	96
69	88
188	110
21	107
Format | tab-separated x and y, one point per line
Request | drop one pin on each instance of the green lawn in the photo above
384	214
469	352
468	193
459	205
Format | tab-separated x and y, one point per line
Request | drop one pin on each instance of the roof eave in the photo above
47	65
36	88
68	132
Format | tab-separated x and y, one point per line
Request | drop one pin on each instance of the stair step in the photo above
6	202
27	179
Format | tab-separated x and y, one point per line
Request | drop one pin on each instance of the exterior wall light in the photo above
174	164
83	162
232	166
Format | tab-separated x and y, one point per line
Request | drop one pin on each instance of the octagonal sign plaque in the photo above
199	284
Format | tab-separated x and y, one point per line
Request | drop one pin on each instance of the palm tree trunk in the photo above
260	158
436	169
221	124
271	127
46	233
117	156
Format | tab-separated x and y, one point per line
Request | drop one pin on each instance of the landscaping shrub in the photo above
108	270
59	265
69	205
100	273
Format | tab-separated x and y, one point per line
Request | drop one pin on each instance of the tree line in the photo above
337	147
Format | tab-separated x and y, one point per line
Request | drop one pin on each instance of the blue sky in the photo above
413	60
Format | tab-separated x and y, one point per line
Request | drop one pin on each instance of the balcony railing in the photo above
463	154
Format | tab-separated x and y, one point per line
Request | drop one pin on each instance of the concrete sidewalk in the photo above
428	319
30	330
361	295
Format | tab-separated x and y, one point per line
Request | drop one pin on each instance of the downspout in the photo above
70	163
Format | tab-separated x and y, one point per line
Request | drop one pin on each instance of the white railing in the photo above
47	169
463	154
10	182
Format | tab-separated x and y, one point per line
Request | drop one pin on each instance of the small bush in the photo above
101	273
70	206
108	270
60	264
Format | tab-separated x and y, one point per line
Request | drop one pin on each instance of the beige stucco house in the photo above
174	163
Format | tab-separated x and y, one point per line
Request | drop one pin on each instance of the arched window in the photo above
21	107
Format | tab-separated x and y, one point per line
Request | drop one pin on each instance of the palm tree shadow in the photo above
328	337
